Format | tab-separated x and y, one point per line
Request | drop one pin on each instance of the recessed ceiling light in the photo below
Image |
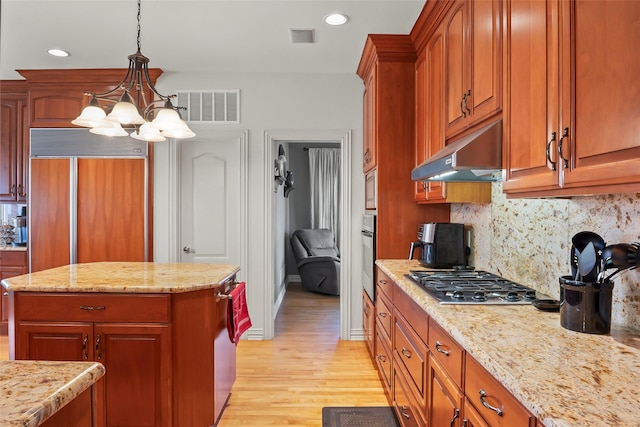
336	19
58	52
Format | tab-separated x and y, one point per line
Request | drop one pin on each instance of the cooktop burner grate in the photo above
472	287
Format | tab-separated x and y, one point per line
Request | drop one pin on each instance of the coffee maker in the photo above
442	245
20	226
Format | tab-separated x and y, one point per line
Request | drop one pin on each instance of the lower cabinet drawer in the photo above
412	353
493	402
383	314
409	413
383	357
446	351
88	307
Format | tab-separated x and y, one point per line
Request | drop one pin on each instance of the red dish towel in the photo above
238	320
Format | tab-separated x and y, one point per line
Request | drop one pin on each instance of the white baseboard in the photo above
357	334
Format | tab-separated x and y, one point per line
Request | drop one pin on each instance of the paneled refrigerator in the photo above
88	199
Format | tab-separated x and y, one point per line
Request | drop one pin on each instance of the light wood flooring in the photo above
288	380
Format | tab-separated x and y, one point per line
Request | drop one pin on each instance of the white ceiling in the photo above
195	35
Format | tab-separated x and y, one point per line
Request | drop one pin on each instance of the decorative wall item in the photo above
283	176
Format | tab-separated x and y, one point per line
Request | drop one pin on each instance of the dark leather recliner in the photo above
318	260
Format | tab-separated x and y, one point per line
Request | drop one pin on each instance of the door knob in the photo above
188	250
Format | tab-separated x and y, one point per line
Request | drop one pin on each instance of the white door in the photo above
212	194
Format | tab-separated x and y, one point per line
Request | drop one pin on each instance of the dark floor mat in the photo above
364	416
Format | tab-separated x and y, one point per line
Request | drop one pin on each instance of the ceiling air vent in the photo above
302	36
210	106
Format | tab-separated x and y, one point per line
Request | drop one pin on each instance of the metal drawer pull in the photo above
91	307
483	394
456	414
84	347
406	353
382	358
382	314
550	163
565	134
98	353
439	350
403	410
220	296
382	282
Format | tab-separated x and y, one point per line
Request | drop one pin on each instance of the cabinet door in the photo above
49	213
471	417
5	273
137	358
456	36
421	152
368	321
14	154
369	126
531	101
54	341
604	134
445	401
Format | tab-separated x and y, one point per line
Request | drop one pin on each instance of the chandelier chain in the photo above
139	6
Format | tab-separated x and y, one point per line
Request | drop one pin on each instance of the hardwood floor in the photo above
287	381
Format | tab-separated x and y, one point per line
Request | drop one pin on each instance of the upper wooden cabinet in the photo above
57	96
571	87
473	52
432	77
14	142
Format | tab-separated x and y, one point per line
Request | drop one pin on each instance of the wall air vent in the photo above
210	106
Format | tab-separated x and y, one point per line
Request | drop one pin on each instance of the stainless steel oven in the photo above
369	254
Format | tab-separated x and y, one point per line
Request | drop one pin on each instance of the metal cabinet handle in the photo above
440	350
382	314
424	185
92	307
382	282
403	411
21	192
463	100
466	97
85	355
13	190
483	394
382	358
550	163
565	134
456	414
406	353
98	352
188	250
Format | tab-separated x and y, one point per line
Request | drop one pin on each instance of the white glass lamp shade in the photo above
91	116
110	129
148	133
167	119
182	132
125	112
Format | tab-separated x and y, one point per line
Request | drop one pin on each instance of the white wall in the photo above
272	101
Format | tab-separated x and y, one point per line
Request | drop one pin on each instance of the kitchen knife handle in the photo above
550	163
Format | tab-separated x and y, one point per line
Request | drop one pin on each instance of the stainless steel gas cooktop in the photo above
472	287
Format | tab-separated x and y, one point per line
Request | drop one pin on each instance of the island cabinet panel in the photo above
12	263
77	413
168	357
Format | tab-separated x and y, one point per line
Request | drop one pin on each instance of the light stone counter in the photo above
11	248
564	378
127	277
31	392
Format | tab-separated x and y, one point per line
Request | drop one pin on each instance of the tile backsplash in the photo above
529	240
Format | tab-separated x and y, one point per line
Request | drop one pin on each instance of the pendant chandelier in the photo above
131	110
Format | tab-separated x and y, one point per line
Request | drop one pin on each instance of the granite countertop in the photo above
565	378
32	391
127	277
14	248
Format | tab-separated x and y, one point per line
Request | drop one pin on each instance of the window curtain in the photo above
325	177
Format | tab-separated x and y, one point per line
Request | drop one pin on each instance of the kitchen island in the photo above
563	378
47	393
160	330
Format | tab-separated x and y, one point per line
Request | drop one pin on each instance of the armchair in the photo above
318	260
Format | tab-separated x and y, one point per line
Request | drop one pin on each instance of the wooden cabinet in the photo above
14	142
431	83
473	52
445	399
570	91
12	263
102	233
471	417
156	348
368	322
493	402
387	68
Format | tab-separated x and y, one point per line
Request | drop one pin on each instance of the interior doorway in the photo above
273	273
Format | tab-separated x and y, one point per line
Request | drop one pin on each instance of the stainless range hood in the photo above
475	157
